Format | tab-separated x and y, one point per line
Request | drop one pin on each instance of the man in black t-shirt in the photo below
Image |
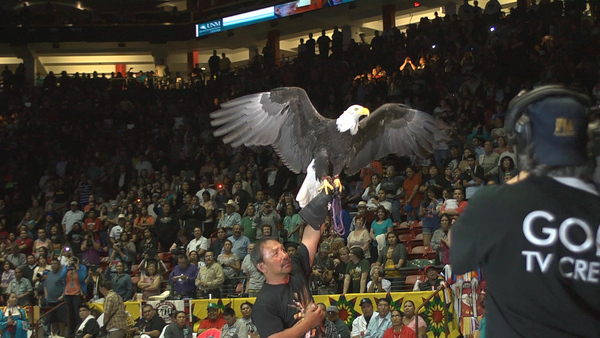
89	326
284	307
149	324
536	240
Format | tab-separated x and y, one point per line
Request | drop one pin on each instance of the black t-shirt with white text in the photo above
538	245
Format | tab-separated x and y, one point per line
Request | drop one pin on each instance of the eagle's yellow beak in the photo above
364	111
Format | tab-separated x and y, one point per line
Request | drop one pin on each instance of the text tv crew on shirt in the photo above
537	240
284	306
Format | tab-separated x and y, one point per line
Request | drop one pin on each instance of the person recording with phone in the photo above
74	276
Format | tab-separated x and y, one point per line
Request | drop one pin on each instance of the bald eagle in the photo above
285	119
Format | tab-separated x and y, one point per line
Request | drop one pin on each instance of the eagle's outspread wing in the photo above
283	118
393	129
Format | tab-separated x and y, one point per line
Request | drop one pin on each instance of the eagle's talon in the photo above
338	183
326	186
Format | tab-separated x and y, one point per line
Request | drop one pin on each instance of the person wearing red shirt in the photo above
213	321
25	243
398	329
413	195
93	223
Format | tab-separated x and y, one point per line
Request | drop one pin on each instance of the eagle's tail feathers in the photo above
310	186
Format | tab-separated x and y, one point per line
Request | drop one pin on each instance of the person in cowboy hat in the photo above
230	217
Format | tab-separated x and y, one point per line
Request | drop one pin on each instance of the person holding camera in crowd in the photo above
183	277
74	276
91	249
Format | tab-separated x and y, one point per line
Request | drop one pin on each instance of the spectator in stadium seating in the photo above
381	225
163	228
183	277
210	277
333	315
410	319
16	257
254	278
212	321
93	281
429	213
149	324
229	261
330	331
239	241
293	224
507	169
381	322
398	328
460	202
246	309
360	237
439	240
29	268
393	256
71	216
219	242
360	323
411	186
230	217
357	272
268	216
233	327
377	282
25	242
199	243
379	200
250	223
121	282
433	282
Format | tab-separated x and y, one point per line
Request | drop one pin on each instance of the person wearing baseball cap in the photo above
72	216
333	315
359	325
434	281
541	228
212	321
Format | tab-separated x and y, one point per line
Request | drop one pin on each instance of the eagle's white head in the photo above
349	119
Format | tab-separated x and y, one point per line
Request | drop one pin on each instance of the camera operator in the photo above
91	249
74	276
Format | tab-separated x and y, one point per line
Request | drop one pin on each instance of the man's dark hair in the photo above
527	162
383	300
291	244
229	312
176	313
84	306
358	252
256	256
148	306
247	303
106	284
471	157
184	257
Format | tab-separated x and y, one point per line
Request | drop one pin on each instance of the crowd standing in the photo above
113	187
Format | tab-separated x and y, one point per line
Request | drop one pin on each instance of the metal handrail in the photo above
39	321
425	303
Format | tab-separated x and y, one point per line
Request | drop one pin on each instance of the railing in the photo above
425	303
39	322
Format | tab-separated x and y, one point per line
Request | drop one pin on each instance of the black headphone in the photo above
517	123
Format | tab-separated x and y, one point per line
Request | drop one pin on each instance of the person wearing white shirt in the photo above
204	186
199	244
359	326
72	216
380	200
